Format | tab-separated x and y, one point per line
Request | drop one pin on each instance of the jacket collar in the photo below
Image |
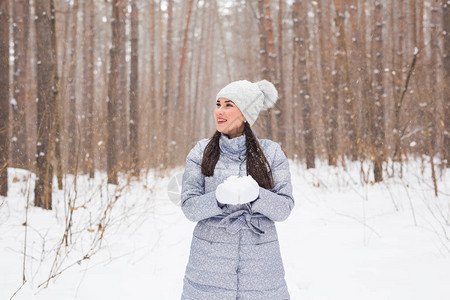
235	146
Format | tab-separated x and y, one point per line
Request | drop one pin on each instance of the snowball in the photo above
237	190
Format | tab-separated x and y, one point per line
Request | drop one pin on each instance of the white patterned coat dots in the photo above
234	251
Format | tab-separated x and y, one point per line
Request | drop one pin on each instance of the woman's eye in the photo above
217	104
229	105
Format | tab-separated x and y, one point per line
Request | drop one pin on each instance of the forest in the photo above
124	86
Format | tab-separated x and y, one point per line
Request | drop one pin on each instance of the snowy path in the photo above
335	245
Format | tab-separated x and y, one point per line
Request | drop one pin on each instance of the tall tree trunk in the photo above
378	105
267	56
113	86
19	149
329	101
300	19
417	29
192	79
206	118
105	42
73	128
46	95
397	74
222	40
281	106
162	126
366	86
122	100
360	84
433	95
90	88
84	47
351	139
64	71
134	92
54	145
180	100
199	74
446	79
250	59
166	122
4	96
153	131
56	126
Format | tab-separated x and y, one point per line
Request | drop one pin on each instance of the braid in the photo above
257	165
211	155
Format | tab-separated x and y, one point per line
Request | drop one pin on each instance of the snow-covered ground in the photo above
343	240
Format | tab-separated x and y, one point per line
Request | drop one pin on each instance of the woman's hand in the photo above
237	190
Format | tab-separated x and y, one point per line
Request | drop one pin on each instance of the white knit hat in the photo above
250	97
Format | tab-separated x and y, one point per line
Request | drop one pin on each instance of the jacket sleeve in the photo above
276	203
195	203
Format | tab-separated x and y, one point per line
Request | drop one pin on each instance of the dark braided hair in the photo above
257	165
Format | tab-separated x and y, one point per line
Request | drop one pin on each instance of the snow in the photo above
237	190
343	240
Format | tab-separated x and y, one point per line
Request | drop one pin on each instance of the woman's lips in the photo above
221	121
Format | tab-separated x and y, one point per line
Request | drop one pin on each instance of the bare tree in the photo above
366	86
281	104
73	128
46	98
87	83
267	56
446	79
152	126
199	65
55	133
134	100
90	96
299	15
222	40
4	96
122	98
165	118
397	17
113	86
433	64
358	81
180	100
378	126
342	78
329	97
19	149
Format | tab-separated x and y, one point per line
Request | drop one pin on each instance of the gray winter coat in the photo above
234	251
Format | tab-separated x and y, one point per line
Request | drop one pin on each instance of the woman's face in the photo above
229	119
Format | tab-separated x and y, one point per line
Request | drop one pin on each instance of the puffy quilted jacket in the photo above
234	250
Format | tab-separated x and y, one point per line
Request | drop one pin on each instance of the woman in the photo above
234	251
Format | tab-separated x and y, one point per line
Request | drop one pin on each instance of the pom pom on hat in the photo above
250	97
270	93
